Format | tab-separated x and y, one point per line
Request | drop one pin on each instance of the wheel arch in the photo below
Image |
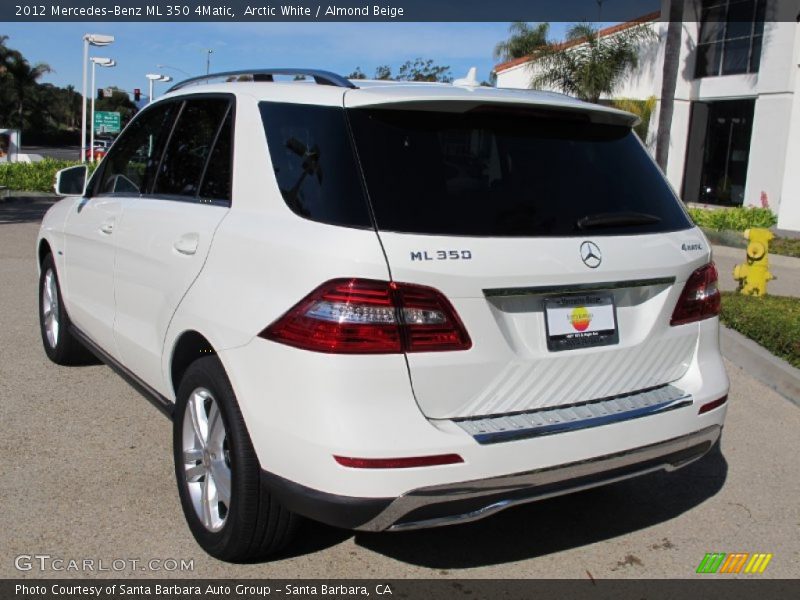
190	346
43	250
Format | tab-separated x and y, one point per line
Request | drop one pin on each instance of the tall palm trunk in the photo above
672	52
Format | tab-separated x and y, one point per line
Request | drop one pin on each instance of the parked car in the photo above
99	150
387	307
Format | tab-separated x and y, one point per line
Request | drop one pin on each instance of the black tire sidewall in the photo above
54	353
208	373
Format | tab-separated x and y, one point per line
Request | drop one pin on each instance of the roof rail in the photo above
320	77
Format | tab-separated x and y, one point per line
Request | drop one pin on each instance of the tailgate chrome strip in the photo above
577	288
547	421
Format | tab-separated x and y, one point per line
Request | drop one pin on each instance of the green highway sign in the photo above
106	122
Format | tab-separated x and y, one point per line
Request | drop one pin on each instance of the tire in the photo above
59	344
228	509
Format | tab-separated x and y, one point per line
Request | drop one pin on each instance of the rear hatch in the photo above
553	234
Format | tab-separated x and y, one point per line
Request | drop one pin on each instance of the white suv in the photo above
388	306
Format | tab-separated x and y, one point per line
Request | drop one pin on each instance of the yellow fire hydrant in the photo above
754	274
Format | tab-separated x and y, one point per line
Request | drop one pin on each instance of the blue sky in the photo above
339	47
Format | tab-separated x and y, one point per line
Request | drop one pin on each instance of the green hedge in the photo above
33	177
772	321
736	219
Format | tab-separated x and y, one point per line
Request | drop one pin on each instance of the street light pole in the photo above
93	39
103	62
209	52
152	78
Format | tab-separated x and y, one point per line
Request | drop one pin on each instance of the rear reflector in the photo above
365	316
399	463
712	405
700	298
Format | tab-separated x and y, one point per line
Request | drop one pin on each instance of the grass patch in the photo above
785	246
771	321
33	177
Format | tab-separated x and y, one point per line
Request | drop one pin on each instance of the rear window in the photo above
509	174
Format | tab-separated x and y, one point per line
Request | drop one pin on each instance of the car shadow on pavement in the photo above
24	209
557	524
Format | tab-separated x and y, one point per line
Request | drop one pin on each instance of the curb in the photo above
767	368
779	260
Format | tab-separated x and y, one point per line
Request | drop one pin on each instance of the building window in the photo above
718	152
730	37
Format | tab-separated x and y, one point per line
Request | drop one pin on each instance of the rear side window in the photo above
314	163
131	165
188	150
496	173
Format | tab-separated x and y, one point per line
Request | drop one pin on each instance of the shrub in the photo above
737	219
33	177
772	321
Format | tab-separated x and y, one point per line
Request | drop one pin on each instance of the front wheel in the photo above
60	345
229	511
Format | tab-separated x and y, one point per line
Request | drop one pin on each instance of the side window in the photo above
217	181
314	163
130	167
190	146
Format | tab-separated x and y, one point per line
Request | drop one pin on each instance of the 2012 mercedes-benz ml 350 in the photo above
386	306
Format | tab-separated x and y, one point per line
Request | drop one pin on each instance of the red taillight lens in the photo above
364	316
700	297
406	462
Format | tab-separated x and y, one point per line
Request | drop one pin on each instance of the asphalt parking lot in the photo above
87	474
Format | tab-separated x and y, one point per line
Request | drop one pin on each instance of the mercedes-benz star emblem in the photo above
591	255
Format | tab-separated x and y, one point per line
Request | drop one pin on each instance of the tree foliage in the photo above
356	74
642	109
588	65
40	110
524	40
412	70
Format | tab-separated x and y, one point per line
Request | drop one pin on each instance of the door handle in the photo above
107	227
187	243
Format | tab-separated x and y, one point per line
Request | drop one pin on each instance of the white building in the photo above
735	136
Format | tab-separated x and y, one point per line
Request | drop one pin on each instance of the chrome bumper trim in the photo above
547	421
577	288
511	490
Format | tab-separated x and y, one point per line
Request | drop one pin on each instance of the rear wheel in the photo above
229	511
60	345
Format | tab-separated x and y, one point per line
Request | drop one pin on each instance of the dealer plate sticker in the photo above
580	321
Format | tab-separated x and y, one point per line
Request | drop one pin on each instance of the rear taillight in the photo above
700	297
364	316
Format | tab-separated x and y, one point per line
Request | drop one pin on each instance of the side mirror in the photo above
71	181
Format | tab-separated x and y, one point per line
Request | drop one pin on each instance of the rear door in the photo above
555	237
165	234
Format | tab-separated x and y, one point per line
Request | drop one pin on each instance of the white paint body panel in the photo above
152	275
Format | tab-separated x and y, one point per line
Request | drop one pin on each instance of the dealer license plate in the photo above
580	321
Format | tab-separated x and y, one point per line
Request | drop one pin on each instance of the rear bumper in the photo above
466	501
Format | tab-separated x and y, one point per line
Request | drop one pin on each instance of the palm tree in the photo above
23	78
672	52
523	41
588	65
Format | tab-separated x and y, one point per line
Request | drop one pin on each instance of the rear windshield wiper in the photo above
616	219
